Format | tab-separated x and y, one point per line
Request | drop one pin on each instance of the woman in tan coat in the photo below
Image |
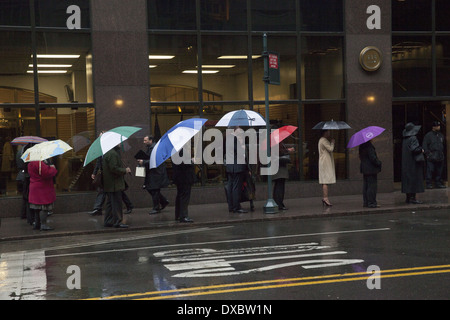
327	173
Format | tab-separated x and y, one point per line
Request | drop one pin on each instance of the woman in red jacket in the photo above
42	192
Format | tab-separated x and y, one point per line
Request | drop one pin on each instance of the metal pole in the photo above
35	69
270	207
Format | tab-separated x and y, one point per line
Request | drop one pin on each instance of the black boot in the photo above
43	216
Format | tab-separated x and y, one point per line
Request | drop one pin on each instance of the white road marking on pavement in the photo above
217	242
22	275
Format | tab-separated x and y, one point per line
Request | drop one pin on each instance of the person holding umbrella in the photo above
327	173
412	164
370	167
279	179
42	192
183	178
370	164
155	178
113	185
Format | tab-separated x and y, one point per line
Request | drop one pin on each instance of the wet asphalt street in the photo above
382	256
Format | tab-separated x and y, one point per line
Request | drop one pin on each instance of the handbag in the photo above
285	159
419	157
97	182
140	172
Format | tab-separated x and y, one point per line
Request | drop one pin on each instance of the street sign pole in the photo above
270	207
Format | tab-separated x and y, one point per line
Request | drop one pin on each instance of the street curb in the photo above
266	217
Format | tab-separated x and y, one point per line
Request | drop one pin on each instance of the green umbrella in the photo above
107	141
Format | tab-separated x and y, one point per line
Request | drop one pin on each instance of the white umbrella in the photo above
107	141
241	118
45	150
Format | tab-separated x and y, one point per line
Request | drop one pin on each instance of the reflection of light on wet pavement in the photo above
22	276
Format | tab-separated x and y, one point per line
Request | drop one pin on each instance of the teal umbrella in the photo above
107	141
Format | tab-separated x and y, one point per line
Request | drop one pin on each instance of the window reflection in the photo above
442	10
223	15
169	57
443	65
15	13
411	15
286	47
171	14
321	15
273	15
226	57
322	68
411	66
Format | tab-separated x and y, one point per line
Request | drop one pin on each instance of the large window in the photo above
52	98
420	48
412	66
224	39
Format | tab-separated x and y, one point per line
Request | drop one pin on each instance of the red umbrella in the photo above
279	135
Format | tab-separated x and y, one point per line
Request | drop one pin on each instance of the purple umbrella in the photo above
364	135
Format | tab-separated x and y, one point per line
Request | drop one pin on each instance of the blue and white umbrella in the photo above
241	118
174	140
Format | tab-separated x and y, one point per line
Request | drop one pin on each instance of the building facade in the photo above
72	68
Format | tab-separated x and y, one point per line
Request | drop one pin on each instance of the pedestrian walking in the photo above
327	172
236	168
433	146
279	179
370	167
42	192
412	164
155	178
113	185
101	196
183	177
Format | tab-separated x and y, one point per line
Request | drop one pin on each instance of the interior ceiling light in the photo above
218	66
203	71
48	71
238	57
51	65
152	66
161	57
58	56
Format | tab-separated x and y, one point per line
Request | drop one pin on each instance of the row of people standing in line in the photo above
414	156
39	181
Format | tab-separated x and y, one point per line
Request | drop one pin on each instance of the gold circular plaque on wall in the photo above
370	58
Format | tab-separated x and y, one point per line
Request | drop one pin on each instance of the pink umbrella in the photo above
364	135
27	139
279	135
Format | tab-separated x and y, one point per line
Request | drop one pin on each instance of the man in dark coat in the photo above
236	168
412	164
433	146
113	185
370	167
184	178
155	178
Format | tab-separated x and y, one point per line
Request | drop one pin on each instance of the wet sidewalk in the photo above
212	214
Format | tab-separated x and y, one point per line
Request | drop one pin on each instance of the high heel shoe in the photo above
325	203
